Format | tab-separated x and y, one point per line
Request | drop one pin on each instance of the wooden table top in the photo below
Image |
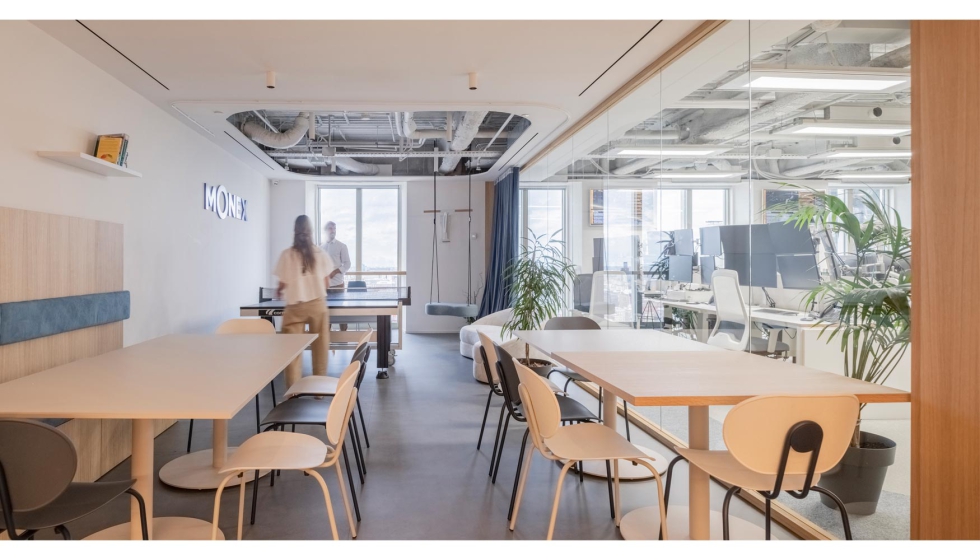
611	340
712	378
170	377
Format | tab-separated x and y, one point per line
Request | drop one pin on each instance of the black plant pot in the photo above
540	367
858	478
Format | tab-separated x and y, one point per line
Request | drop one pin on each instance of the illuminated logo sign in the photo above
217	199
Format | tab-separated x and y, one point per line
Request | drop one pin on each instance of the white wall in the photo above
288	199
186	269
452	195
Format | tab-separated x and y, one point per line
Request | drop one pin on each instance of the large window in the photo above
543	214
369	222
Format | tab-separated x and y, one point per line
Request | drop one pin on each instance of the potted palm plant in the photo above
873	327
540	277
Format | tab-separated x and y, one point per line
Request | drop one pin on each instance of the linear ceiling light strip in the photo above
621	57
122	55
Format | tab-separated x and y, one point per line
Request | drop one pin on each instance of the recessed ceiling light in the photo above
824	127
873	175
865	153
844	80
668	151
694	175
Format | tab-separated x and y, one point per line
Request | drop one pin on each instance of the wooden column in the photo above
946	268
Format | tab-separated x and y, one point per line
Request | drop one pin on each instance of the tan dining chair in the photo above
292	451
780	443
573	443
322	385
242	326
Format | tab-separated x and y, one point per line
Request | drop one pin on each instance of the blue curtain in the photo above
503	245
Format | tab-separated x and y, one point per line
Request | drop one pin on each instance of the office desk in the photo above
697	381
168	378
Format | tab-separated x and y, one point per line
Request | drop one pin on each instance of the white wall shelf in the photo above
90	163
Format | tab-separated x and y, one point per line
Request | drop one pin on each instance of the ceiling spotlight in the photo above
473	84
270	79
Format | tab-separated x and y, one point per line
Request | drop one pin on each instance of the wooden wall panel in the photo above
945	230
44	256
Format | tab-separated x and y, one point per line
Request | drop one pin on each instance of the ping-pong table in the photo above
375	306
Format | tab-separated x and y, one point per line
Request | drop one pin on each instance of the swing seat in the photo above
465	310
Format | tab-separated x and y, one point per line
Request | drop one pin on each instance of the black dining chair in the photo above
572	411
580	324
37	465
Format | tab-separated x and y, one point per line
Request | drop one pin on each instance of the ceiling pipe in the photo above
463	136
635	165
352	165
814	168
772	111
285	139
898	58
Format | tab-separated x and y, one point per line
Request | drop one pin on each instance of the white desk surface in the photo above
171	377
755	313
710	378
611	340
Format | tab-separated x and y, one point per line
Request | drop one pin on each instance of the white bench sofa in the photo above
469	341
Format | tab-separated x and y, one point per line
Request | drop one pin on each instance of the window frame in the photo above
359	189
565	214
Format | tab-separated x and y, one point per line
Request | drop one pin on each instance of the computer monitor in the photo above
707	269
711	241
787	239
798	272
755	269
680	268
745	239
683	242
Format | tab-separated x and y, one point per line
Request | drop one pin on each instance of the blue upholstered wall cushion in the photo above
26	320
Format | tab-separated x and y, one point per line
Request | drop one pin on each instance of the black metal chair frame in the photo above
802	437
10	522
511	405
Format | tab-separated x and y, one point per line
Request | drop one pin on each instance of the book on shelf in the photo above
112	148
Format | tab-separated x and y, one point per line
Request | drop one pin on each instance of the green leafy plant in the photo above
875	322
540	277
660	269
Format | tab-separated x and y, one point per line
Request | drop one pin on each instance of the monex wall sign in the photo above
226	205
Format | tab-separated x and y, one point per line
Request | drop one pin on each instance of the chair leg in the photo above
360	412
258	417
190	435
567	381
483	426
670	473
496	438
600	403
840	506
343	496
255	495
554	507
357	462
350	479
500	450
626	418
241	504
357	443
525	472
618	501
142	507
661	499
517	476
217	505
272	390
63	531
724	511
768	519
609	483
326	498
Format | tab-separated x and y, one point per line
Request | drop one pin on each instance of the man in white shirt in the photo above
338	253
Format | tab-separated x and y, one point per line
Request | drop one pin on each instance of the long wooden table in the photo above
651	368
168	378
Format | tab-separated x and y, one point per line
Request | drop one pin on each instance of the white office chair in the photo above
730	308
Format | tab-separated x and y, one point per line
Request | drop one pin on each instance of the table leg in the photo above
610	414
142	471
699	483
384	345
219	444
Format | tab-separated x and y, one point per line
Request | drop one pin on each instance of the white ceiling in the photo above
538	68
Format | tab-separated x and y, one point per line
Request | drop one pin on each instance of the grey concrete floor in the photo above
425	479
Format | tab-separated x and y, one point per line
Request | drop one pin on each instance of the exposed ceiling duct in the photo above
260	133
462	137
898	58
778	109
352	165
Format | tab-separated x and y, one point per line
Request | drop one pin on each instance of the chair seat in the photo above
554	388
571	374
299	411
78	500
277	450
723	466
324	385
591	442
